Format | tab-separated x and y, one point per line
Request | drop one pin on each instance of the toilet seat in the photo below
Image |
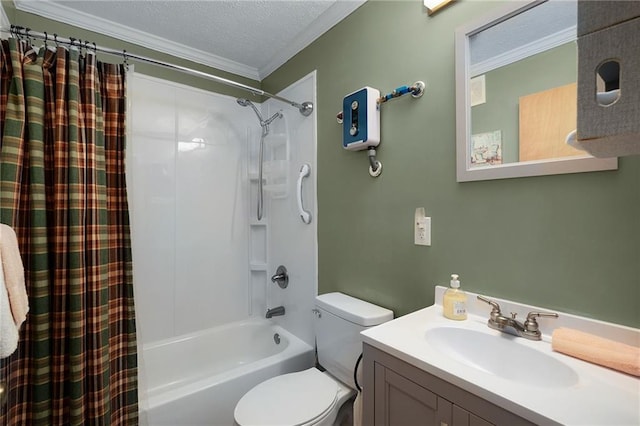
292	399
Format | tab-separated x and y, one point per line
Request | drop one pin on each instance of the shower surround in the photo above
202	260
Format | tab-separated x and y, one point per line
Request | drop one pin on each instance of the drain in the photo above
276	338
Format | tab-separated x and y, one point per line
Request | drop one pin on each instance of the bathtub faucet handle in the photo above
281	277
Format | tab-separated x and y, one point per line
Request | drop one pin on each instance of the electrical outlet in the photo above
422	228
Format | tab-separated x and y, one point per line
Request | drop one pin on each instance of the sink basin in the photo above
501	355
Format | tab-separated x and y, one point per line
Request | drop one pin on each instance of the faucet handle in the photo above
495	316
494	305
281	277
531	325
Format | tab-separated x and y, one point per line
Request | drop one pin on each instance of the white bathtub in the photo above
197	379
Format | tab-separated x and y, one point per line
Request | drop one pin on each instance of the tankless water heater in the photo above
361	115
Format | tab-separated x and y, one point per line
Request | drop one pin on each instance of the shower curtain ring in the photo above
17	31
22	33
46	39
126	59
29	39
55	39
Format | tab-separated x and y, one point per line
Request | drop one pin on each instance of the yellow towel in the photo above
13	274
597	350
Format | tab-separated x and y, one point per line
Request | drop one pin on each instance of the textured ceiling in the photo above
247	37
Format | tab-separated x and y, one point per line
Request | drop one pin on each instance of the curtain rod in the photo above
306	108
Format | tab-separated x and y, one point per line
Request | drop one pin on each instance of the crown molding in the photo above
83	20
327	20
541	45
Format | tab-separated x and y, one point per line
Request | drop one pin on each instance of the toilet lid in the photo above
289	399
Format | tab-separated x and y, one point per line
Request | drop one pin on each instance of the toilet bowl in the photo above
308	397
314	397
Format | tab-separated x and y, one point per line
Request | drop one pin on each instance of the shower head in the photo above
272	118
246	102
265	131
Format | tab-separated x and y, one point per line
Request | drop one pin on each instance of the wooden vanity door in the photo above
399	401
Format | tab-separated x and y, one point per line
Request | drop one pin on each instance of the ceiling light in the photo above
435	5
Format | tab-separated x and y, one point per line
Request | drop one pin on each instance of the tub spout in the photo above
275	312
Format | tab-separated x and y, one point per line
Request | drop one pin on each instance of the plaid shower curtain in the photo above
62	188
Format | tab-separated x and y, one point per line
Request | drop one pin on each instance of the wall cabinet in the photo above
398	394
609	66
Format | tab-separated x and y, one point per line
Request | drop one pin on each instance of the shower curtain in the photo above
62	189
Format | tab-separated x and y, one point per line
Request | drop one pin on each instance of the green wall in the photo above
569	242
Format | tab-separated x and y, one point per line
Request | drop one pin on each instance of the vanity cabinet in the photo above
397	394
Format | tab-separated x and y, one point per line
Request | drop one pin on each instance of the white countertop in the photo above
600	396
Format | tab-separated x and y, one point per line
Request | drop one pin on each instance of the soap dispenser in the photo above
454	301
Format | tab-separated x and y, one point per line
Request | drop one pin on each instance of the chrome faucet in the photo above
529	329
275	312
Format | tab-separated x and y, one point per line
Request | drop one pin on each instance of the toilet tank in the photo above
338	322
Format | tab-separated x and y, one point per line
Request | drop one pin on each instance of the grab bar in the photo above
305	215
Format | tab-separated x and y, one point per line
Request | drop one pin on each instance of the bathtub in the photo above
197	379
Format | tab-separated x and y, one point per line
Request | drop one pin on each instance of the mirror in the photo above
516	95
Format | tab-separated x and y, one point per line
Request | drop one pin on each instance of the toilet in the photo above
314	397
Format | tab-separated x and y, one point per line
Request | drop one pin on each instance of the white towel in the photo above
607	98
572	140
8	329
13	273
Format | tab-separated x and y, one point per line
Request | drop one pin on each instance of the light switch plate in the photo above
422	228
